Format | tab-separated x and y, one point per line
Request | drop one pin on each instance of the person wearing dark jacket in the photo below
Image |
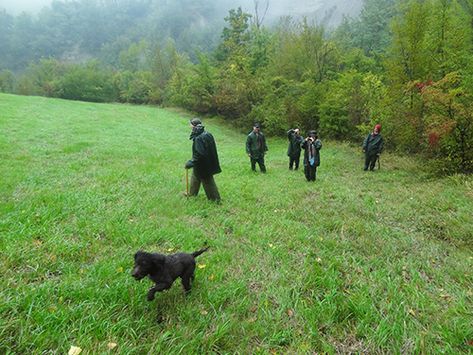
311	146
204	161
372	147
294	148
256	148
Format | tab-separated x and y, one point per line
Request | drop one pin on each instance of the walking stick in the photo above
187	182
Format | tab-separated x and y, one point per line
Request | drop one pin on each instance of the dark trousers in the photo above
210	187
310	172
260	162
370	161
294	160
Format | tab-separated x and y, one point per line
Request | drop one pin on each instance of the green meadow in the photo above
357	262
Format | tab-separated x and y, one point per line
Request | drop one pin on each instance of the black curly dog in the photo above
165	269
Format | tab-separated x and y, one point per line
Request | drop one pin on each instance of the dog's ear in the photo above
158	260
137	253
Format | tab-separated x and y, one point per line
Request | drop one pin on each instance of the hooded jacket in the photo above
204	153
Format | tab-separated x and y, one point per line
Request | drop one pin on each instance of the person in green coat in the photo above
311	146
372	147
294	148
204	162
256	148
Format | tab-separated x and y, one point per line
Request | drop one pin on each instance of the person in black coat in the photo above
204	161
311	146
294	148
372	147
256	148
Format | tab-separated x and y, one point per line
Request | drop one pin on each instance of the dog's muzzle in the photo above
137	275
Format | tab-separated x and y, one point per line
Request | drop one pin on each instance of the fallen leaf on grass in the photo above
74	350
201	266
412	312
290	313
204	312
445	296
319	260
212	277
111	346
120	269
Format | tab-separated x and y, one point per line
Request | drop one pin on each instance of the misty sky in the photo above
277	8
17	6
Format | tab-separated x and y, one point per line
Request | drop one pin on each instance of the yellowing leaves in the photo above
74	350
201	266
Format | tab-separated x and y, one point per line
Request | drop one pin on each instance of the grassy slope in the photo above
355	262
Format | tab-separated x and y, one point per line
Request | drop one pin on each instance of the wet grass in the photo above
356	262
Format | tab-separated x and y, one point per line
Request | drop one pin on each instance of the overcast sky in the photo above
17	6
276	7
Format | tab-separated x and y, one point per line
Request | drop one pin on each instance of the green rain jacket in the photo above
373	144
204	154
256	145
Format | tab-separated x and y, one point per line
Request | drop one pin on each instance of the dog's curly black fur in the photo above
163	270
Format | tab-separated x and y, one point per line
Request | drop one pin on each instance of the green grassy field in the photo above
355	262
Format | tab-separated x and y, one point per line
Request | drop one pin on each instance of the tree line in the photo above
407	64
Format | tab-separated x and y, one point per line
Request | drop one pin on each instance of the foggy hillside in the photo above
76	31
318	9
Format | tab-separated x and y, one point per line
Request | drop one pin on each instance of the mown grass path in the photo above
356	262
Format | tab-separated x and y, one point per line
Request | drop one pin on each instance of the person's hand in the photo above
364	150
249	155
189	164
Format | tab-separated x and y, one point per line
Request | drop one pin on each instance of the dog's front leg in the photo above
157	288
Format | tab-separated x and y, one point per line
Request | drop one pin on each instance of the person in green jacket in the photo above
256	148
294	148
311	146
372	147
204	162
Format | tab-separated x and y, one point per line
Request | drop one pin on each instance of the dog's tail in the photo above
198	252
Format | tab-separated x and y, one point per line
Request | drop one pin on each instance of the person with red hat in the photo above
372	147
